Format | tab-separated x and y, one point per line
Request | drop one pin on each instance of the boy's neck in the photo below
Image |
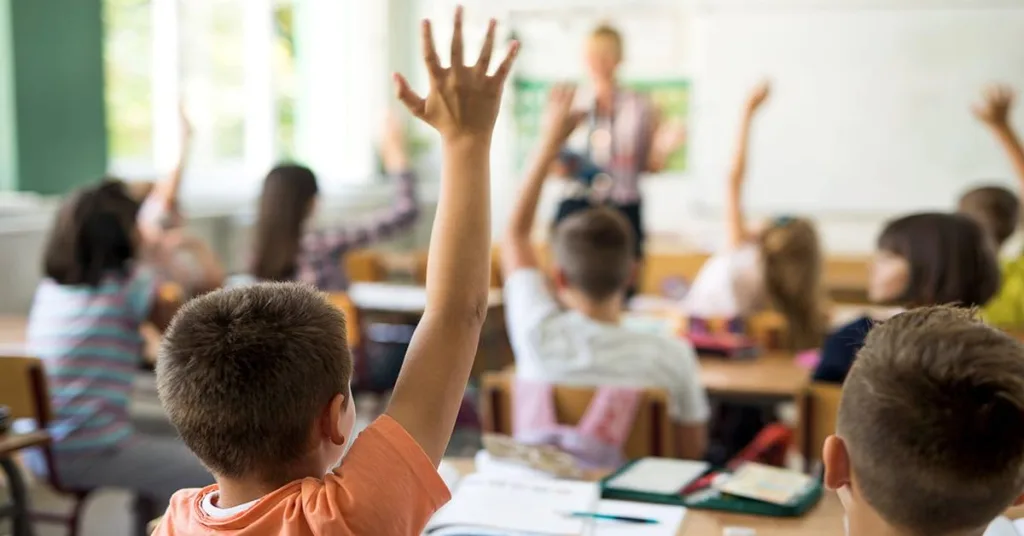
608	311
873	525
238	491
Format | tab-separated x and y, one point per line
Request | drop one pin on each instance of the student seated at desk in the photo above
921	260
594	264
997	210
777	267
84	325
930	432
285	246
257	378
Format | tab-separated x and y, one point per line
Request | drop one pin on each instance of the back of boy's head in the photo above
792	261
995	208
93	236
244	373
932	416
594	250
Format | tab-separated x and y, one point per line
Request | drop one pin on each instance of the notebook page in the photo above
669	519
659	475
534	506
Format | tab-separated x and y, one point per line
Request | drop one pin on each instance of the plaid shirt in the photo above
321	254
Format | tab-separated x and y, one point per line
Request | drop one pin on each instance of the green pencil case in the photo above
711	498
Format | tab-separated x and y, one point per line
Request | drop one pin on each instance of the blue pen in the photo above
610	517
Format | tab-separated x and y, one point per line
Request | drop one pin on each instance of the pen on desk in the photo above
610	517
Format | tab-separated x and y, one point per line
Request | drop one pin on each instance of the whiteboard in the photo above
870	108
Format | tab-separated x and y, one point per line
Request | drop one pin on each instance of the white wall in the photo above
685	208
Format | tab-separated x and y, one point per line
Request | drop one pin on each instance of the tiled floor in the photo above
107	512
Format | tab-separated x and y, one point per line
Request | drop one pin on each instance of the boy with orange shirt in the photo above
256	379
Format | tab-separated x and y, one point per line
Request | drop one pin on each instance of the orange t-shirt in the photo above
385	486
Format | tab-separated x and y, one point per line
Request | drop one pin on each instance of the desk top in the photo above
770	374
12	333
399	298
11	443
826	519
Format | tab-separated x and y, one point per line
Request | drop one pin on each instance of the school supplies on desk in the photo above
668	519
515	506
657	475
710	492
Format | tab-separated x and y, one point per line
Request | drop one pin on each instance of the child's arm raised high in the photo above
735	222
995	112
462	106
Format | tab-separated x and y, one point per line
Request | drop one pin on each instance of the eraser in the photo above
738	531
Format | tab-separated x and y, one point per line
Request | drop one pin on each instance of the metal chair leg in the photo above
19	497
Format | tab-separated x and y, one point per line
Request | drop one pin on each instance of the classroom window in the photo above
236	66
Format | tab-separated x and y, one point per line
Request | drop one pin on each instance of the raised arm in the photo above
165	193
462	106
517	250
735	222
995	112
333	242
666	137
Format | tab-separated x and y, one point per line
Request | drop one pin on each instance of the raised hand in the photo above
995	109
463	100
560	119
758	96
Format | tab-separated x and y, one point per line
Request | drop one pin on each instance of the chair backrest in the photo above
23	388
652	434
364	266
824	412
352	320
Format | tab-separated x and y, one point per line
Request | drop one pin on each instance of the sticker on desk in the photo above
766	483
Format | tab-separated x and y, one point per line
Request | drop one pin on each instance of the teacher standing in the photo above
622	134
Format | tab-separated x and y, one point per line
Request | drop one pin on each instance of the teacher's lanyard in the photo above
601	137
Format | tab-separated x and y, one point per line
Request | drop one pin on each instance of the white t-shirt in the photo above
217	512
566	347
729	285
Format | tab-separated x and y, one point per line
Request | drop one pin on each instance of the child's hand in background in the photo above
995	110
560	119
463	101
758	96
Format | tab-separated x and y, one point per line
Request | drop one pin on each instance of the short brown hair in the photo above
594	248
609	33
244	372
995	208
950	260
932	415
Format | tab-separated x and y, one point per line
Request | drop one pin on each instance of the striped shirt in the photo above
322	251
88	338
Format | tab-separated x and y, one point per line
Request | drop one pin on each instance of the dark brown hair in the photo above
285	203
594	248
93	236
243	374
932	415
792	262
951	261
995	208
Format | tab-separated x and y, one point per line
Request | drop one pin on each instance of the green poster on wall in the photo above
671	96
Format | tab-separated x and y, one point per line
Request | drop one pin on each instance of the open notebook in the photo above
499	505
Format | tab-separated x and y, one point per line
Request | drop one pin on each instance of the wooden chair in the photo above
365	266
652	435
821	417
23	388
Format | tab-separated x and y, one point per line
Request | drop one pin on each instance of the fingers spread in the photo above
457	59
506	65
430	57
484	62
412	101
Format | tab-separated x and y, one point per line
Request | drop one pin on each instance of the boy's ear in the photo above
837	463
330	421
1019	500
561	281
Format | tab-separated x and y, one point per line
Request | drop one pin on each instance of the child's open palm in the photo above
995	109
463	100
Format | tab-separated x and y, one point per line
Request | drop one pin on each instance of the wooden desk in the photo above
826	519
17	509
772	375
12	332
